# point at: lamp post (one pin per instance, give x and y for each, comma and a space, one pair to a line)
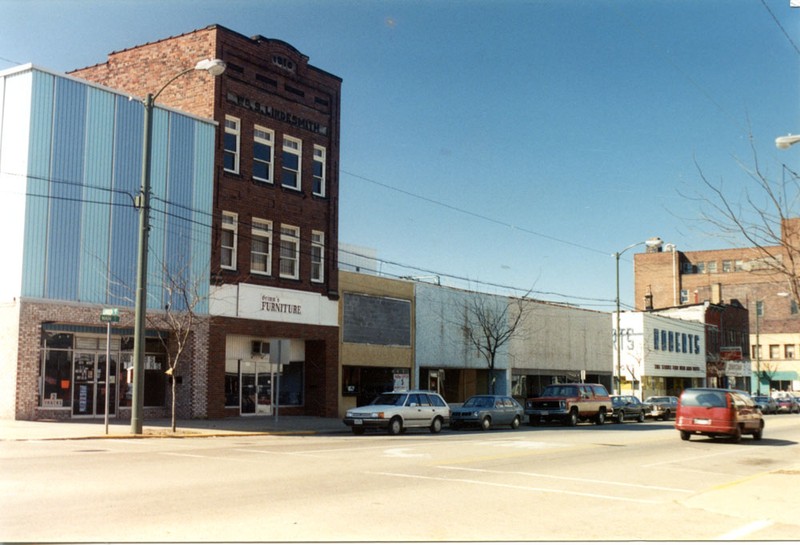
651, 243
759, 312
784, 142
215, 67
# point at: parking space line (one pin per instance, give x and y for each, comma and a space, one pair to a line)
515, 487
745, 530
593, 481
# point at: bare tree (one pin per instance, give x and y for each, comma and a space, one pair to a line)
489, 322
763, 216
180, 319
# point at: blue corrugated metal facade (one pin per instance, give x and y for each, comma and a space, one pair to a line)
84, 170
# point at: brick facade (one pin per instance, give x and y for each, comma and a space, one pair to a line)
270, 84
33, 314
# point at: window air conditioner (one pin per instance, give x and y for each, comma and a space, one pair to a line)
260, 348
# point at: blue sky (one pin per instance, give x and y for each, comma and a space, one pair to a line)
504, 142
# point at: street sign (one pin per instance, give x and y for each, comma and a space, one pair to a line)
109, 315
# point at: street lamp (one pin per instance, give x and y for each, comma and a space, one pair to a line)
215, 67
783, 142
651, 243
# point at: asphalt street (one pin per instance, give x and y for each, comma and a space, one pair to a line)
615, 482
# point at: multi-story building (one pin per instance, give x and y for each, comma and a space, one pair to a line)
70, 167
274, 335
666, 277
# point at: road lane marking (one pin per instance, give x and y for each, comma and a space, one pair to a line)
593, 481
184, 455
403, 453
515, 487
745, 530
277, 453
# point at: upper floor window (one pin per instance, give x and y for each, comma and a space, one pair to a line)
263, 154
290, 162
700, 267
788, 351
684, 296
738, 265
261, 248
317, 256
687, 268
727, 266
290, 252
774, 351
228, 240
319, 171
711, 267
232, 138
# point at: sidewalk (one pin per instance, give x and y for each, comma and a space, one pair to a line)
25, 430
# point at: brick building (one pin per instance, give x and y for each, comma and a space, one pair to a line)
667, 277
274, 336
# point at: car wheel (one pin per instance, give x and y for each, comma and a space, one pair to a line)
600, 419
736, 436
395, 426
666, 415
436, 425
640, 418
757, 435
621, 417
358, 430
685, 435
515, 423
572, 419
486, 423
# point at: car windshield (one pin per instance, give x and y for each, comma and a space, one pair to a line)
702, 398
479, 402
658, 400
560, 391
389, 399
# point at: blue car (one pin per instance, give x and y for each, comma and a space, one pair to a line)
485, 411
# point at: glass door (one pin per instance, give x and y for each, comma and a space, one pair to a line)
83, 389
89, 384
102, 383
264, 383
248, 388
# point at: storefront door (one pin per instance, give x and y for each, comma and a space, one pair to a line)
89, 384
256, 380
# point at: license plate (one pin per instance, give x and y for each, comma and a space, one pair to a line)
543, 413
702, 421
358, 421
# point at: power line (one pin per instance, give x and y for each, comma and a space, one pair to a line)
780, 26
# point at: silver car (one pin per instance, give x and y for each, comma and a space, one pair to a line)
397, 411
663, 407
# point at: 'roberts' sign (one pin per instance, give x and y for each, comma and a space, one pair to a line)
278, 115
273, 304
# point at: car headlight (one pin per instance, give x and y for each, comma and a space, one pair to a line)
475, 414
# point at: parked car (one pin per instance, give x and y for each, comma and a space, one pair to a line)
485, 411
718, 412
787, 404
627, 407
766, 404
569, 404
397, 411
663, 407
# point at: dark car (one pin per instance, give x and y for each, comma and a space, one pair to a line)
787, 404
766, 404
485, 411
627, 408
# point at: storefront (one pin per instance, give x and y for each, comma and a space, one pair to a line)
76, 372
271, 351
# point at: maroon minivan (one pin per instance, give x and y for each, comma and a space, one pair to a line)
718, 412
